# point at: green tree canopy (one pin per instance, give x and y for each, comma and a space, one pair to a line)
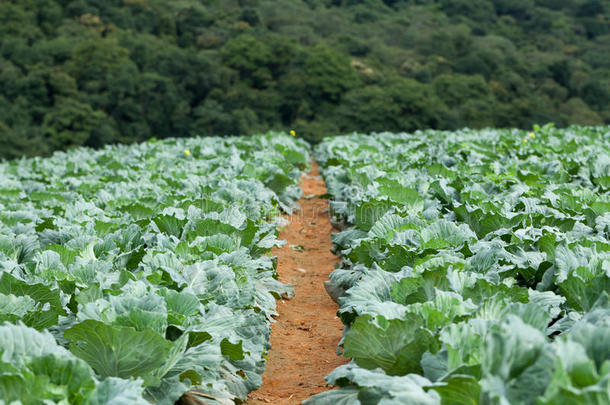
90, 72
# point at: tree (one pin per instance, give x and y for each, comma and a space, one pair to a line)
91, 72
93, 59
329, 74
71, 123
577, 111
469, 97
250, 57
401, 105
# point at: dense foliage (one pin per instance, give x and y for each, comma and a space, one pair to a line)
477, 269
135, 273
90, 72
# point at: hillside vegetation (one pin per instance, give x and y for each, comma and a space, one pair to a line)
92, 72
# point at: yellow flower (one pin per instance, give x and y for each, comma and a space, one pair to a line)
532, 135
524, 140
187, 152
293, 133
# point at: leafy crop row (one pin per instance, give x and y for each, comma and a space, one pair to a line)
135, 273
476, 268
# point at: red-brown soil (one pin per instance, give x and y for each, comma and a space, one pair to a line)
306, 332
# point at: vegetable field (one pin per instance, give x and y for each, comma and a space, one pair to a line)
475, 270
476, 266
134, 274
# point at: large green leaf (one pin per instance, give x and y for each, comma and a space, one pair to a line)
443, 234
342, 396
118, 351
460, 390
374, 386
368, 213
49, 303
396, 345
33, 368
118, 391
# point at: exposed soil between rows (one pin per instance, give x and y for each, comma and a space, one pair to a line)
306, 332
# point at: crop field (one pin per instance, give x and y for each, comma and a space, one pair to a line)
130, 274
476, 266
475, 269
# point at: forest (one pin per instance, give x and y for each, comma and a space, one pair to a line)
95, 72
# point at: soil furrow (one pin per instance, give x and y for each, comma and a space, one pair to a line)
307, 330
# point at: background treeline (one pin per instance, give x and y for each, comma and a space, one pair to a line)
91, 72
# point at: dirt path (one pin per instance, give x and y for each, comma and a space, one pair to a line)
307, 331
